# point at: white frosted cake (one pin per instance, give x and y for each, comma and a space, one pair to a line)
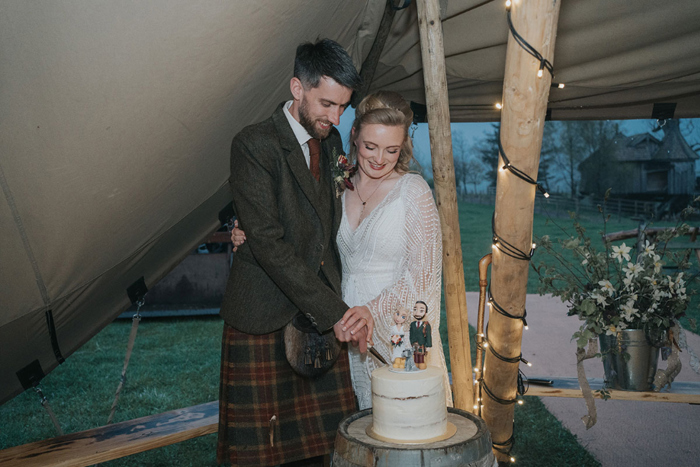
408, 406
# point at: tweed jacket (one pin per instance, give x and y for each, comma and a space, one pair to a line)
421, 335
289, 262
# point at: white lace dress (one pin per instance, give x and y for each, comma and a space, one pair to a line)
392, 259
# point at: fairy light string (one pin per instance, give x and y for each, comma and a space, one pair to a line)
507, 248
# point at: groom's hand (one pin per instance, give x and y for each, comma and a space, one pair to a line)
357, 326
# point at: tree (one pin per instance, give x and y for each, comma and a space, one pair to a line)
577, 141
468, 169
487, 150
474, 173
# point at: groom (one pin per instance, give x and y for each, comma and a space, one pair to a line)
289, 266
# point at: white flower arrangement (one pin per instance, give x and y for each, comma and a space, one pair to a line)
615, 288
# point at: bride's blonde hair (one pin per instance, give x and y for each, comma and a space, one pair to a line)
385, 108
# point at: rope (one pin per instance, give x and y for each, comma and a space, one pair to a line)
132, 337
45, 403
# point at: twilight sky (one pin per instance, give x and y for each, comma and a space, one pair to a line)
471, 132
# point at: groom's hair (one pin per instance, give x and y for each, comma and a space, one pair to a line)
325, 58
426, 307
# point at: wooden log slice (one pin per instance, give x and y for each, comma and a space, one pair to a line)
469, 447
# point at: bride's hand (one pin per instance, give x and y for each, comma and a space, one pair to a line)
356, 319
237, 236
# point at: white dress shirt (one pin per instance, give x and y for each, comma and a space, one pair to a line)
300, 132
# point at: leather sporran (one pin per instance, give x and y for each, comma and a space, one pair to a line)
309, 353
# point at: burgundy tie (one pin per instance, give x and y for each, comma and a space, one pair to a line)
314, 156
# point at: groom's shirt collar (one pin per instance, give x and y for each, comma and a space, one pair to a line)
299, 131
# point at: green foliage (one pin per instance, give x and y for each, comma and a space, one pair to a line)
615, 288
604, 393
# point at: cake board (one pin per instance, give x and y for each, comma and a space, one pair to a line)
470, 446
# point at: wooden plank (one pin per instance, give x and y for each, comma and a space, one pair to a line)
625, 234
682, 246
118, 440
681, 391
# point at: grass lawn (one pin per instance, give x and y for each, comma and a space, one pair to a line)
176, 364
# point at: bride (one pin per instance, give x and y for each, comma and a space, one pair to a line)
389, 238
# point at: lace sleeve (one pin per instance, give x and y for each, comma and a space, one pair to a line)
421, 264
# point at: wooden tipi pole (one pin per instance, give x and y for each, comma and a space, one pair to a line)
433, 54
522, 123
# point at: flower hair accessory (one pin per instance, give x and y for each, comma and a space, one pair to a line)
342, 172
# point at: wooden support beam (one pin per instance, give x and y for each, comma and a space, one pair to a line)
433, 55
522, 123
118, 440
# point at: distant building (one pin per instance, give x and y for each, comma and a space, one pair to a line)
642, 166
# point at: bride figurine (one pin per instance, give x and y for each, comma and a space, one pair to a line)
398, 341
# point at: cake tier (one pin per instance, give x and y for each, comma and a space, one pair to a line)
408, 406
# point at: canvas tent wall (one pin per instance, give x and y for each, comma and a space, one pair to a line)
116, 119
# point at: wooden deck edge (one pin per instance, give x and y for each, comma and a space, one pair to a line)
683, 392
110, 442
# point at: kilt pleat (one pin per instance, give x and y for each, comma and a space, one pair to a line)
257, 383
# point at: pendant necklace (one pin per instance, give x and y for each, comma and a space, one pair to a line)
364, 202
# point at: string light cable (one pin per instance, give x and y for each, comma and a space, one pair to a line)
494, 305
516, 171
487, 345
544, 63
507, 247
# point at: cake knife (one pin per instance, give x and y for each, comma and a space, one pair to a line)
376, 354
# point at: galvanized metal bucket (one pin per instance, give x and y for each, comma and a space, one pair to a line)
637, 372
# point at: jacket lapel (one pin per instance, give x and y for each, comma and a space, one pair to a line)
295, 158
329, 162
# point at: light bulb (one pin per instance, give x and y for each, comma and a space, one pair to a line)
539, 73
521, 402
486, 344
499, 106
561, 86
529, 364
546, 195
512, 460
527, 327
508, 3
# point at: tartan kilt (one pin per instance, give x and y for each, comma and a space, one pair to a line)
258, 383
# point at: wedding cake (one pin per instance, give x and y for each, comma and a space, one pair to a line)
409, 406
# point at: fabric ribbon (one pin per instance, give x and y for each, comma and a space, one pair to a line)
592, 417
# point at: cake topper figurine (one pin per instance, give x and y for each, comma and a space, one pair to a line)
407, 356
420, 334
398, 339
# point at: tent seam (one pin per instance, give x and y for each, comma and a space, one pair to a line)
25, 239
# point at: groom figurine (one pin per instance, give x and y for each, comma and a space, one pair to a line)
420, 334
289, 267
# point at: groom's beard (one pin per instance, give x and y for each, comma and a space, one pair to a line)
309, 123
